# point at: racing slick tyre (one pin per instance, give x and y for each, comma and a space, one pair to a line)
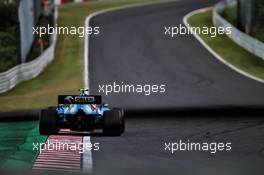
122, 118
112, 123
48, 123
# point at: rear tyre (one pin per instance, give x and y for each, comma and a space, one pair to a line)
112, 123
48, 122
122, 119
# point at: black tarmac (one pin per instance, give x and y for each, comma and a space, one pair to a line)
205, 101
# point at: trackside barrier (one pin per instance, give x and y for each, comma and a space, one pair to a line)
60, 2
29, 70
251, 44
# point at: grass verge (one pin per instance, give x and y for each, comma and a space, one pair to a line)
65, 74
16, 149
227, 49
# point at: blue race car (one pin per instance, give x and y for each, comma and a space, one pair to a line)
81, 113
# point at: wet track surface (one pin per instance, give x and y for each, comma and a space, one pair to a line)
133, 49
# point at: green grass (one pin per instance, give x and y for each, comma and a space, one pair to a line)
16, 148
9, 32
65, 74
230, 13
227, 49
260, 36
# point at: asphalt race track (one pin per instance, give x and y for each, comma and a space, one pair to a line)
141, 149
133, 49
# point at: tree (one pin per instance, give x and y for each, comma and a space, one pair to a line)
258, 13
250, 15
9, 34
239, 17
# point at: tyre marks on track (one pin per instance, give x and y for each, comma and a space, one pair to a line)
61, 155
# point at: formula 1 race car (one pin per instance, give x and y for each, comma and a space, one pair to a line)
81, 113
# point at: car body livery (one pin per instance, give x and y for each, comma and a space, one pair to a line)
81, 112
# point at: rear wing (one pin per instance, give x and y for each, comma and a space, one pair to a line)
77, 99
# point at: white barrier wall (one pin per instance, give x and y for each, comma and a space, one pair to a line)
249, 43
29, 70
26, 20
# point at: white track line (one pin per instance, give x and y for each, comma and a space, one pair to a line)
87, 161
216, 55
86, 37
